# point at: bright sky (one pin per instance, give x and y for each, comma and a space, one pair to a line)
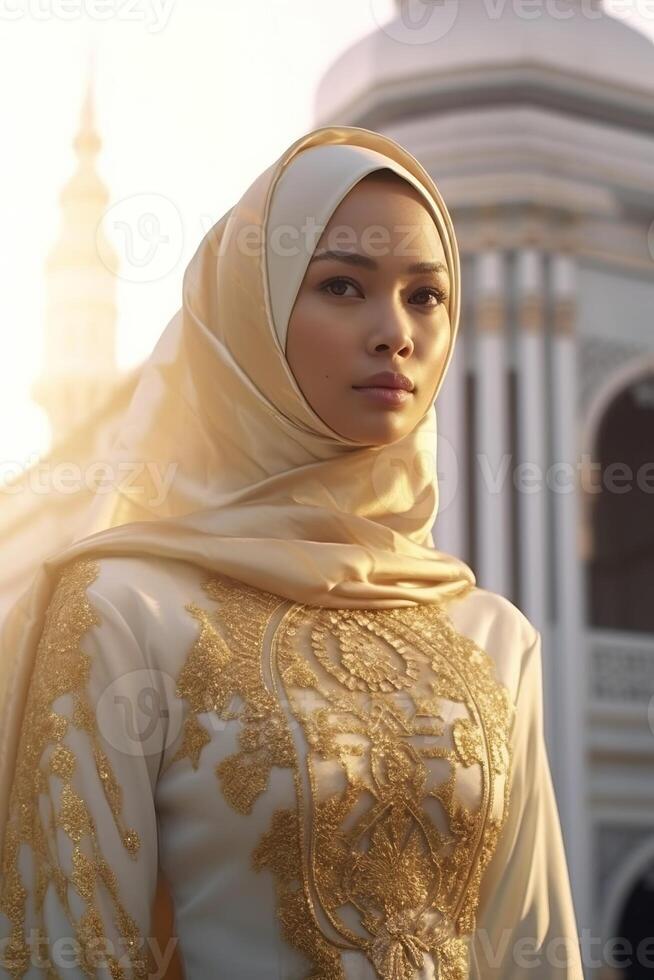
193, 99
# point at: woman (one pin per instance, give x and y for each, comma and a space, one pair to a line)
264, 693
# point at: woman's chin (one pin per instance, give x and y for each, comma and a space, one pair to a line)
378, 433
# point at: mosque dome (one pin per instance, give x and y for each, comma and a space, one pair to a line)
565, 54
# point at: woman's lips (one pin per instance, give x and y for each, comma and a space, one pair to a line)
387, 396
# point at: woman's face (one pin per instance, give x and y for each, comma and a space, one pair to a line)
381, 307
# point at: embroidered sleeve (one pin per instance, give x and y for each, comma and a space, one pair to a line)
526, 924
79, 858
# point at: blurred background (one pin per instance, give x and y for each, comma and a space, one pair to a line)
131, 126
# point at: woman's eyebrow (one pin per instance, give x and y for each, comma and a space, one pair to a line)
355, 258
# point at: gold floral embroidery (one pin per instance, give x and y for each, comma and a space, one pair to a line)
62, 668
372, 846
386, 850
213, 677
279, 851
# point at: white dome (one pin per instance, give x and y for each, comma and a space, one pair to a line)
478, 51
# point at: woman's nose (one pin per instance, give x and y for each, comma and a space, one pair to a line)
393, 333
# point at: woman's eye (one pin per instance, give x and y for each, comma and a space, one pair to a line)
338, 283
437, 294
338, 287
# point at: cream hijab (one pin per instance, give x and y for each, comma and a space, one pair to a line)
262, 490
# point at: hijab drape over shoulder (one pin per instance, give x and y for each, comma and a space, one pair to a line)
262, 490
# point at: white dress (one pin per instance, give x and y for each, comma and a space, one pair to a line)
329, 793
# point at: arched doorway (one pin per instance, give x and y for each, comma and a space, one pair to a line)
621, 559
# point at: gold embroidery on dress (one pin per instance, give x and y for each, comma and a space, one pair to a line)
393, 875
386, 851
225, 676
213, 679
62, 668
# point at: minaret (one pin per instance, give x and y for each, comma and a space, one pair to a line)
79, 370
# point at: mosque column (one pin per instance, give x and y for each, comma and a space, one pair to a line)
568, 649
492, 465
532, 450
450, 525
534, 531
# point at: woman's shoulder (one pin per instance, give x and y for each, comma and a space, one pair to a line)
491, 613
145, 597
165, 586
128, 575
498, 626
140, 581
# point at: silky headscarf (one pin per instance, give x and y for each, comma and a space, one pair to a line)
263, 490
